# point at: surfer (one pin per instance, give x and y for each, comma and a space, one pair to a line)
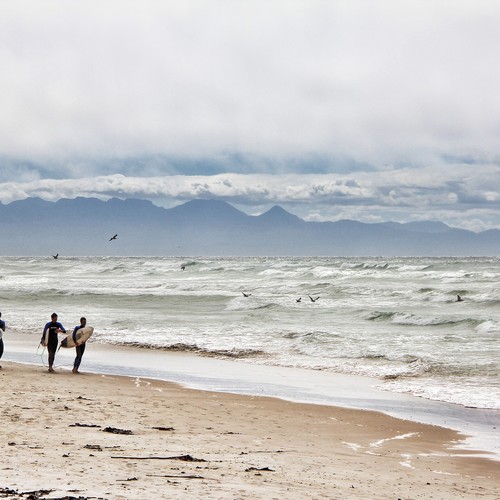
49, 338
80, 348
2, 329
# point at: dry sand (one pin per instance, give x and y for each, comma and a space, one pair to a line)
182, 443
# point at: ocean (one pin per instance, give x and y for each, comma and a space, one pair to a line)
395, 320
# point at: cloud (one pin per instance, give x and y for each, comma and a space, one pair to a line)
380, 82
367, 196
347, 109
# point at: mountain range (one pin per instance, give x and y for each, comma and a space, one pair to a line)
83, 226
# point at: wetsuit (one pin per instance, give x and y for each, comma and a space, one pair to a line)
80, 349
52, 341
2, 329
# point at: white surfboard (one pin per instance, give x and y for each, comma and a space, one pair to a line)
82, 335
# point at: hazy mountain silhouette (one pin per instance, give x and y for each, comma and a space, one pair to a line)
83, 226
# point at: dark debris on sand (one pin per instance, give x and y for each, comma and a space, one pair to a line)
183, 458
77, 424
34, 495
114, 430
259, 469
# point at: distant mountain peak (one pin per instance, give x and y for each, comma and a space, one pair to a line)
279, 214
201, 208
431, 227
201, 203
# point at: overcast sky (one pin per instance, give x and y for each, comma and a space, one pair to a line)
372, 110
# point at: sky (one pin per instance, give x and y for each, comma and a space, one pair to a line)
370, 110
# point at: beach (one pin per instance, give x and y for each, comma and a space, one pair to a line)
383, 388
117, 437
395, 320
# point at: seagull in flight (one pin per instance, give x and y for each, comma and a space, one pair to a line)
299, 299
313, 299
55, 256
246, 294
113, 237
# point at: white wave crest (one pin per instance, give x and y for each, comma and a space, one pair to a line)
488, 327
411, 319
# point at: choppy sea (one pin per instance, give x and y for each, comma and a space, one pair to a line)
396, 320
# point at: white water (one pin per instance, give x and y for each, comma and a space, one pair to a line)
392, 319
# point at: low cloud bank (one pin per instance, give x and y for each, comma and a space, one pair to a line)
451, 195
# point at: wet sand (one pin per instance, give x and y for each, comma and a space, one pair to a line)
290, 383
115, 437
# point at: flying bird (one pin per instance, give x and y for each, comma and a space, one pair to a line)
113, 237
246, 294
55, 256
313, 299
299, 299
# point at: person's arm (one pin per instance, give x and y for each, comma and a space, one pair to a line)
61, 327
44, 333
74, 334
2, 324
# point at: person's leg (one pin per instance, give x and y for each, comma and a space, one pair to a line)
79, 354
1, 349
78, 359
52, 355
52, 348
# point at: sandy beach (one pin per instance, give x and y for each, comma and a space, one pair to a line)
115, 437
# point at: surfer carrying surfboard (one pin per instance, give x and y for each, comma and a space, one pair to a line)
80, 347
49, 338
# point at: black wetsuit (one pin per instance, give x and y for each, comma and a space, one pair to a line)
80, 349
2, 329
52, 341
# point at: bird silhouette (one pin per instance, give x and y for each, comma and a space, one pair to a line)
312, 299
113, 237
246, 294
299, 299
55, 256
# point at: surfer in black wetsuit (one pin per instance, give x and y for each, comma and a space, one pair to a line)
49, 338
2, 329
80, 348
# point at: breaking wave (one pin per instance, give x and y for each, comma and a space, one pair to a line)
233, 353
399, 318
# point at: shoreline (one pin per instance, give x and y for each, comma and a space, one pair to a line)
478, 426
96, 436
